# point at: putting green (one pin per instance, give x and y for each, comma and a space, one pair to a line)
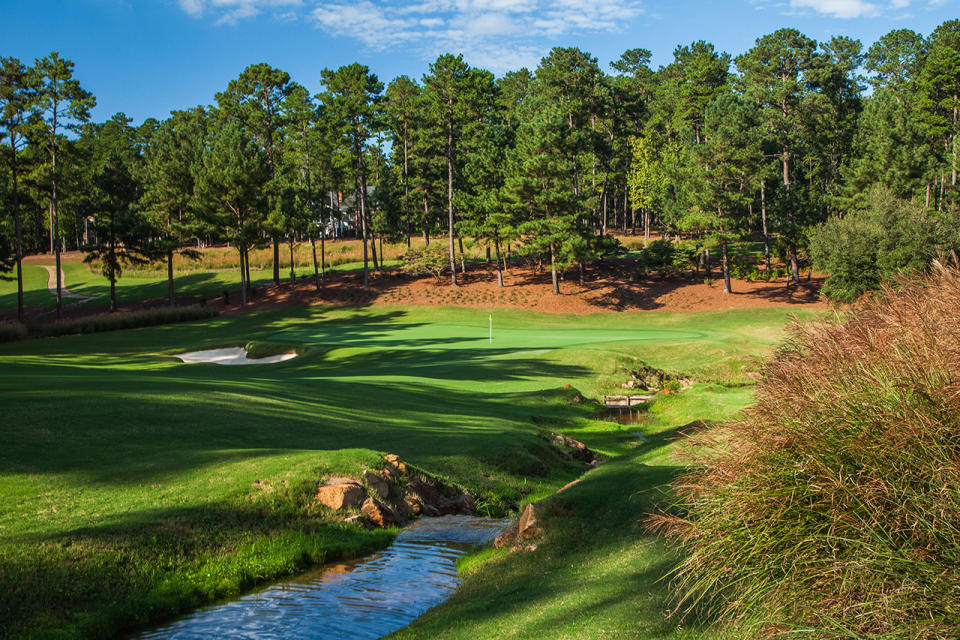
466, 336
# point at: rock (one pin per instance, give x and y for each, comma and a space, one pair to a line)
527, 527
426, 491
507, 537
465, 503
378, 483
413, 503
379, 514
340, 495
447, 507
394, 460
358, 519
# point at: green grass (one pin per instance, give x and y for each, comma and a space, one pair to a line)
205, 285
595, 573
129, 478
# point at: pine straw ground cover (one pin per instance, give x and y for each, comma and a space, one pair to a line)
832, 508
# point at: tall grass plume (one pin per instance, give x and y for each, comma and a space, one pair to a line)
831, 509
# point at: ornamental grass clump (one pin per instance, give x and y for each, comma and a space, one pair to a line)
832, 508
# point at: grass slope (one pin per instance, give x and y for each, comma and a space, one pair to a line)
136, 486
594, 573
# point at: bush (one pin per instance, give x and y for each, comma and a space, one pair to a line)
257, 350
832, 508
433, 260
656, 256
12, 331
863, 249
123, 320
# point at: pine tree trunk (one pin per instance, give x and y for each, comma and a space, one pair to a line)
726, 269
794, 265
56, 229
243, 274
496, 244
293, 273
170, 292
316, 269
463, 263
246, 265
323, 256
363, 228
17, 231
276, 261
766, 235
553, 272
646, 224
453, 264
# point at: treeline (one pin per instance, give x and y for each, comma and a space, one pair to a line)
706, 150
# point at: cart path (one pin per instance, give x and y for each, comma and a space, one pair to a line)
64, 292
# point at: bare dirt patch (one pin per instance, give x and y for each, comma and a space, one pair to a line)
605, 289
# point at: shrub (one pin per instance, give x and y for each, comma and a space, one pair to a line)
12, 331
433, 260
862, 249
123, 320
257, 350
832, 508
656, 256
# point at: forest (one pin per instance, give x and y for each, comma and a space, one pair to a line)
839, 157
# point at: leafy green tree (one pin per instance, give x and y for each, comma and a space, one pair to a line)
16, 100
231, 183
457, 98
122, 233
488, 215
171, 159
257, 97
862, 249
726, 157
352, 99
895, 60
61, 105
938, 89
402, 108
539, 182
776, 75
696, 76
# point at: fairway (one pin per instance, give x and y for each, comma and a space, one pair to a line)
428, 335
116, 453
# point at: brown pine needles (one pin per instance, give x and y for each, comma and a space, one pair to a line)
832, 508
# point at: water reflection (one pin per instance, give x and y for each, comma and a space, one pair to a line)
369, 598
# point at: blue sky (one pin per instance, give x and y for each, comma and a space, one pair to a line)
146, 57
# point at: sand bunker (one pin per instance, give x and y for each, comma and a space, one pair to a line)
232, 355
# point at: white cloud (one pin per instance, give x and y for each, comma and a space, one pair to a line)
841, 8
495, 34
232, 11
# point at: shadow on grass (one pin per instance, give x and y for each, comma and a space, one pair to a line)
594, 572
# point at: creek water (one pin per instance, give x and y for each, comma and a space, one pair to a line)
367, 598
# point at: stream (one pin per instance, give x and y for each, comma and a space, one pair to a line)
366, 598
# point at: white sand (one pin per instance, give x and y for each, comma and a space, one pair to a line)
232, 355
